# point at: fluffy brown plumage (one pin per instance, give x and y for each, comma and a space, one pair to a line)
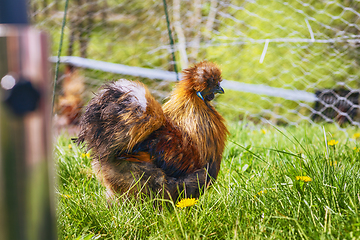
139, 147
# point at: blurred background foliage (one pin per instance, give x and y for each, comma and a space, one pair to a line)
312, 45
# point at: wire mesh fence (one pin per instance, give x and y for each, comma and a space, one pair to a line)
303, 47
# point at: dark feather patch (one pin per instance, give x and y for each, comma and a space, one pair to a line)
171, 151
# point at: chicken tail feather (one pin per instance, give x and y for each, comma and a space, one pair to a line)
121, 115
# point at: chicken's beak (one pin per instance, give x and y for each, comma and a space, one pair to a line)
211, 95
218, 89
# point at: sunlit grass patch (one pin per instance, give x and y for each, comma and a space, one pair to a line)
284, 184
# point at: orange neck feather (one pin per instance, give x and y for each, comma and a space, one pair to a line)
199, 121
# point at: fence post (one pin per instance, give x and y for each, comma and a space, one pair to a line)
27, 208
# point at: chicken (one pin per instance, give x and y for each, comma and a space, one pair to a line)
139, 147
69, 104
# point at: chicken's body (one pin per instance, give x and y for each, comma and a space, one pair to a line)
137, 146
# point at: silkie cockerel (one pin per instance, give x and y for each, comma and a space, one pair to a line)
138, 146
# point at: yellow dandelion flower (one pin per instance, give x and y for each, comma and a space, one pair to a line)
332, 142
260, 193
187, 202
333, 163
66, 196
87, 155
303, 178
356, 135
264, 131
83, 155
70, 147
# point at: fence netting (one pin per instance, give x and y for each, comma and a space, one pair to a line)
312, 46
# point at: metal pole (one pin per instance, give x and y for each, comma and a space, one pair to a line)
27, 208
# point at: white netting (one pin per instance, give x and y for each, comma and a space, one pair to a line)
299, 48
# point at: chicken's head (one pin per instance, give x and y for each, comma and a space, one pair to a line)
204, 79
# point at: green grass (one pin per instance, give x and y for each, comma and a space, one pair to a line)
256, 196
